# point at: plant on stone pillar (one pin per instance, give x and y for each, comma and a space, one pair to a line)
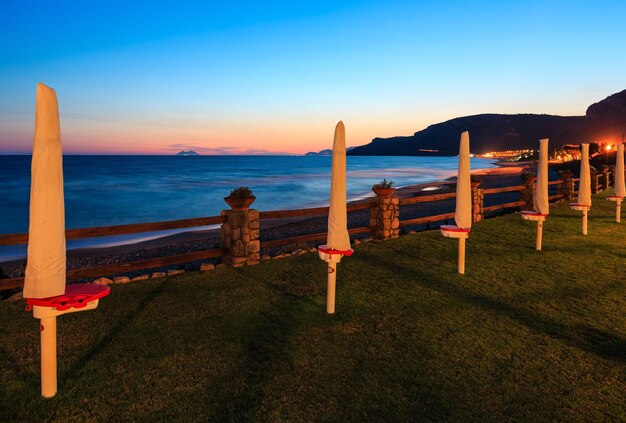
384, 188
240, 198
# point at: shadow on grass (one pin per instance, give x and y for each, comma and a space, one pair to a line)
122, 323
265, 336
604, 344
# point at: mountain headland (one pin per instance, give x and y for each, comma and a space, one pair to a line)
327, 152
603, 121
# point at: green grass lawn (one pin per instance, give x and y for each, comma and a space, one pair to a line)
524, 335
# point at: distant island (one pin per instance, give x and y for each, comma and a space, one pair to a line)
327, 152
603, 121
187, 153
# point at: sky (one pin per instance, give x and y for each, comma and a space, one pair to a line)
243, 77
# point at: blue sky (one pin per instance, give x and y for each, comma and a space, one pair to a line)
261, 77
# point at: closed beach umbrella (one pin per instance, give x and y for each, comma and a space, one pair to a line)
44, 284
620, 187
541, 204
463, 211
584, 187
338, 239
45, 269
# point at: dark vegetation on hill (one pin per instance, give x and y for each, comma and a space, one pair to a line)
603, 121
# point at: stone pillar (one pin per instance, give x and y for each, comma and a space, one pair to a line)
568, 189
384, 217
528, 194
477, 203
595, 182
240, 238
607, 180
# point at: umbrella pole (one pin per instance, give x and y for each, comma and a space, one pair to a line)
332, 284
539, 235
585, 222
462, 256
48, 356
618, 211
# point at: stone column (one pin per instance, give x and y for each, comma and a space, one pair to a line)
528, 194
477, 203
607, 180
568, 189
384, 217
240, 238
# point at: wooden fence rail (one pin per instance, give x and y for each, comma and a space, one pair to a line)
426, 198
502, 190
309, 237
112, 269
311, 212
426, 219
504, 206
16, 239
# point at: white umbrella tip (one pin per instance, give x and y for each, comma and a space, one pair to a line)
44, 89
339, 125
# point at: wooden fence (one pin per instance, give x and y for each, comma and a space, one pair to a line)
113, 269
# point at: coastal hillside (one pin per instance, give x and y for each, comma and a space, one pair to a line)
604, 120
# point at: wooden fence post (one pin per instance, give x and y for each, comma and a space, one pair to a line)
239, 237
384, 217
477, 202
595, 182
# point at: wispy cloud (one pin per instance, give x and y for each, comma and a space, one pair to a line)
222, 150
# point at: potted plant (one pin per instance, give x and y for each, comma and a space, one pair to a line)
475, 180
240, 198
384, 188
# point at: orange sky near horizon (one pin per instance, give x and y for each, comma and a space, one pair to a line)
266, 134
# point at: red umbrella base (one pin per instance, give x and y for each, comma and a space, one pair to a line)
76, 296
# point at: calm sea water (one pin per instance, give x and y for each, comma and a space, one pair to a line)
114, 190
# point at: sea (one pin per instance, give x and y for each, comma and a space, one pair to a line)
115, 190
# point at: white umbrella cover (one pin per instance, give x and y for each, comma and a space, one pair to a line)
463, 212
45, 269
584, 185
338, 237
541, 204
620, 187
